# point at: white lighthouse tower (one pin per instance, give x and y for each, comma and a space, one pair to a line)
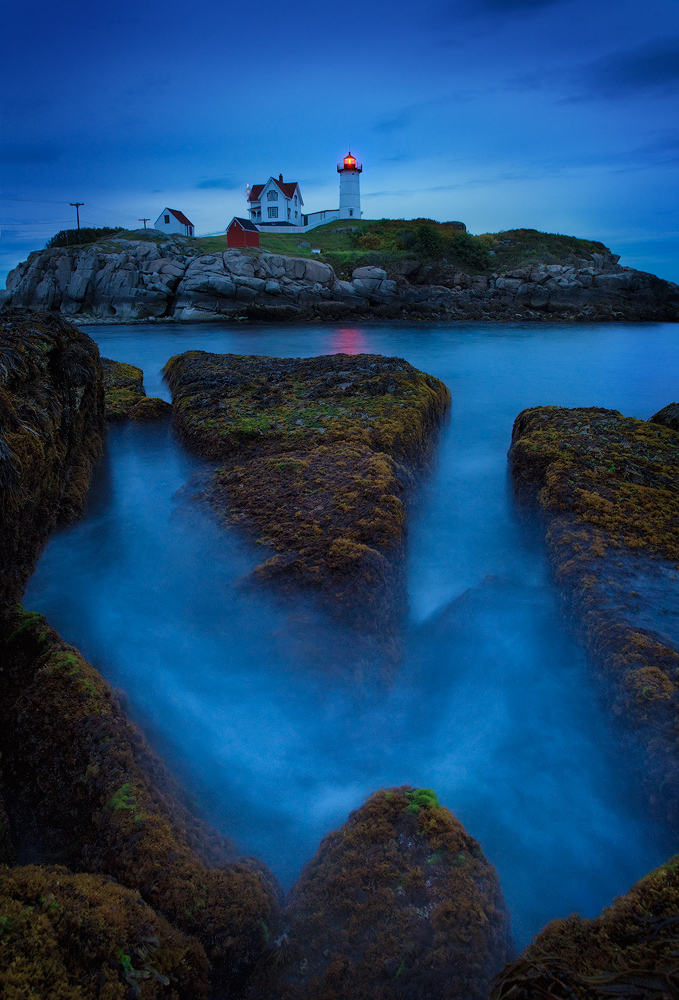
350, 188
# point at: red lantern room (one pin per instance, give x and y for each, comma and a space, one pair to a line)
349, 163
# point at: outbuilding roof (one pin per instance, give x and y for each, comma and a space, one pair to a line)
180, 217
244, 224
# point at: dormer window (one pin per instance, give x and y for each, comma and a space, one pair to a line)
272, 195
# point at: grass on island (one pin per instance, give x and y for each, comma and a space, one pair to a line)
349, 243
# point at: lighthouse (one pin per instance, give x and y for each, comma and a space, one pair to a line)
350, 188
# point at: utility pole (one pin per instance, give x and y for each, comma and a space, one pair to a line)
76, 205
144, 221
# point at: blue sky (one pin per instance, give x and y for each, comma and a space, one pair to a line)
559, 115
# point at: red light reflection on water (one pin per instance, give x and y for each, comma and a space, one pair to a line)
347, 341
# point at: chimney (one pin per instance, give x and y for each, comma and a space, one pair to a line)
280, 178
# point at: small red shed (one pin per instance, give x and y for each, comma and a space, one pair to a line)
242, 233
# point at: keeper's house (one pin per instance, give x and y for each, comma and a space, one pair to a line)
276, 203
242, 233
171, 220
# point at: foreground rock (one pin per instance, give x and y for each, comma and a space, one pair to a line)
79, 784
83, 936
317, 453
125, 394
83, 787
609, 488
51, 426
629, 950
398, 903
133, 279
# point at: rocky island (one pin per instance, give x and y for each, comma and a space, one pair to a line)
391, 270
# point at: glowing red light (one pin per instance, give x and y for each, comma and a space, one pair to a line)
350, 161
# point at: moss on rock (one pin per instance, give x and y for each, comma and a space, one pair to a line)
609, 488
83, 937
316, 455
51, 425
126, 396
629, 950
398, 903
84, 789
668, 416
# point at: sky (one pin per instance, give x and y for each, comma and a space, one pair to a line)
558, 115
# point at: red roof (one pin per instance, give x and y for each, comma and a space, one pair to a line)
287, 187
180, 217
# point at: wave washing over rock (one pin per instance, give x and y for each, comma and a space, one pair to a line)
127, 279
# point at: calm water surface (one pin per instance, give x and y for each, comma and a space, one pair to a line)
493, 706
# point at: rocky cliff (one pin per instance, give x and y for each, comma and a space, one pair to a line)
135, 279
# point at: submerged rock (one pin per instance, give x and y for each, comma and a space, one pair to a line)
83, 936
51, 425
317, 452
398, 903
609, 487
629, 950
83, 787
125, 394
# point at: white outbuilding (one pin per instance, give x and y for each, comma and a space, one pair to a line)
171, 220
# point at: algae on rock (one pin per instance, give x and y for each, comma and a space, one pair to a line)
609, 488
84, 788
398, 904
51, 425
629, 950
125, 394
67, 936
317, 452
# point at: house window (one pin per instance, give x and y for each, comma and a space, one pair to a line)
295, 214
295, 202
322, 215
273, 213
288, 213
272, 195
167, 220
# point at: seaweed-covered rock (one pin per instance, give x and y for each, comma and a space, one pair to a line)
82, 937
125, 394
51, 425
609, 488
83, 787
669, 416
316, 454
398, 903
629, 950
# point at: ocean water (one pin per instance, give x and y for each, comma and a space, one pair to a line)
493, 705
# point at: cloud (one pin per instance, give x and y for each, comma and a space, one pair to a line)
224, 183
29, 152
650, 67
